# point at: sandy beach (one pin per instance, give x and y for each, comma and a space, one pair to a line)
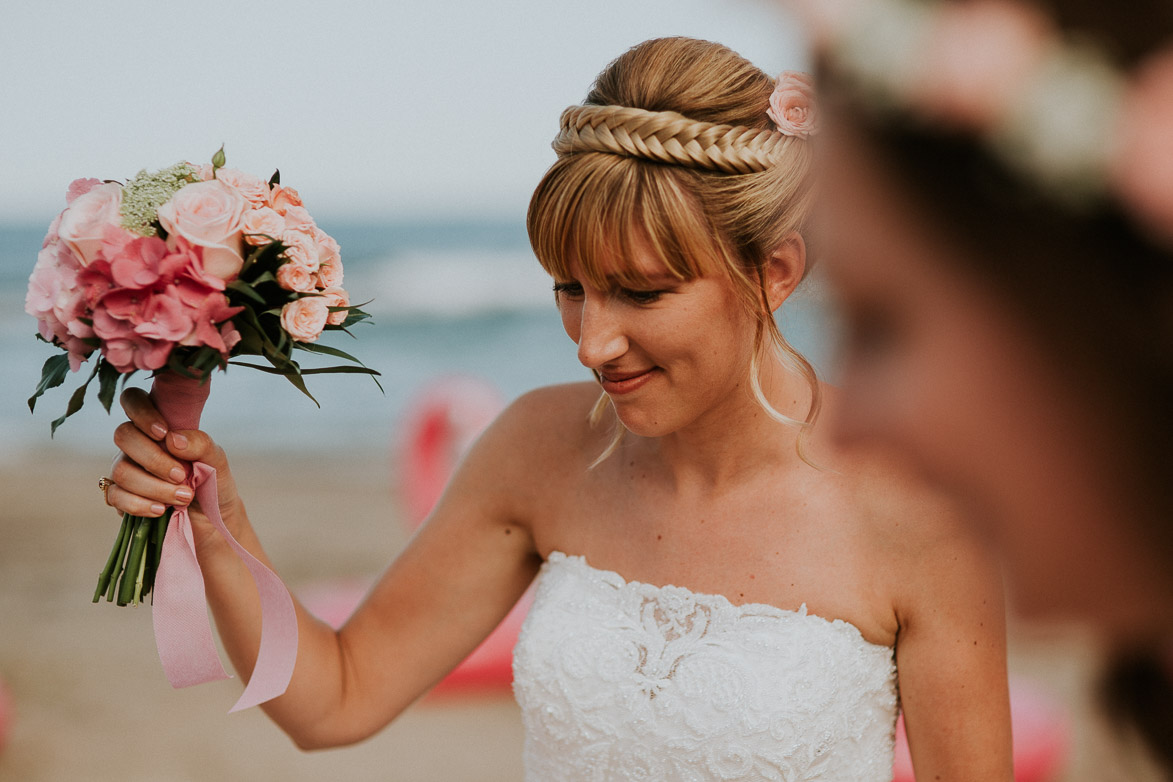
91, 702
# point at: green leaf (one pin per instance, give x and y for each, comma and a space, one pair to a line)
75, 403
52, 375
276, 178
312, 347
107, 383
246, 290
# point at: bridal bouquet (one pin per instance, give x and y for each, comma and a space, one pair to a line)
179, 272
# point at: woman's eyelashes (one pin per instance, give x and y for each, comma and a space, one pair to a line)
574, 290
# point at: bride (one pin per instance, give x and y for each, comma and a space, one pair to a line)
724, 593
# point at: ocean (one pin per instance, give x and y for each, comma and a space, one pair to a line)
448, 298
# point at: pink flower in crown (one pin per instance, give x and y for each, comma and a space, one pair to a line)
792, 105
84, 222
976, 57
208, 215
1142, 170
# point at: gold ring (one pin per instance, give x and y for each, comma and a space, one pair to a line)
104, 484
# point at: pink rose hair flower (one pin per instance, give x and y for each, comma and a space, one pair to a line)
792, 105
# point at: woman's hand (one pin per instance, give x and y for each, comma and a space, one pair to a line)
150, 472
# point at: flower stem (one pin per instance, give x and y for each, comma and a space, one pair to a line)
134, 557
112, 560
119, 562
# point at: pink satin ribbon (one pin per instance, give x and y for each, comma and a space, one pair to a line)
183, 630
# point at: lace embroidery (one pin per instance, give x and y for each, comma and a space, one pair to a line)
622, 680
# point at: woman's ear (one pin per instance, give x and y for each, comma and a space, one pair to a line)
784, 269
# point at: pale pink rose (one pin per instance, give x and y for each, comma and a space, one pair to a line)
792, 105
977, 56
336, 297
294, 276
281, 198
82, 224
208, 215
262, 226
1142, 170
80, 187
305, 318
204, 171
328, 249
301, 248
330, 274
297, 218
253, 188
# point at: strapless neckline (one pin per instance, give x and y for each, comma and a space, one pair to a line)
619, 581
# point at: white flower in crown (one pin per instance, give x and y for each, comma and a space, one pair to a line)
792, 105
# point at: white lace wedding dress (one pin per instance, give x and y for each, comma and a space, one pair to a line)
620, 680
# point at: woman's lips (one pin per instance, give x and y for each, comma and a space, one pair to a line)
618, 383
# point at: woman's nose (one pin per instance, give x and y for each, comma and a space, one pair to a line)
601, 337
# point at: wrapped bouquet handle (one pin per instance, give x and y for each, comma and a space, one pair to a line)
183, 631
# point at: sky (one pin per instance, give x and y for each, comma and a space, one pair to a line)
370, 109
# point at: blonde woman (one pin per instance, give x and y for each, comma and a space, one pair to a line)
724, 594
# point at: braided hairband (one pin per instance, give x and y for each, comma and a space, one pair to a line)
1054, 109
669, 137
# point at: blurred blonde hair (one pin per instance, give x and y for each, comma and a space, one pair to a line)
672, 148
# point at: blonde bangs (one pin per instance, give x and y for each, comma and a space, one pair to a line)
598, 210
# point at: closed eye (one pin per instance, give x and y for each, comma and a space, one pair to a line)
641, 297
570, 290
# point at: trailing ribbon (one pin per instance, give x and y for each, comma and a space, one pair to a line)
183, 631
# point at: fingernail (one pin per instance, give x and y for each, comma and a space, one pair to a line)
177, 475
179, 440
157, 509
159, 431
184, 494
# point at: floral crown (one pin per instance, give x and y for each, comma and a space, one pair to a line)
792, 105
1054, 109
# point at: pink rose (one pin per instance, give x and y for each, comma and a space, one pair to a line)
297, 218
253, 188
281, 198
336, 297
294, 276
328, 249
330, 274
208, 215
300, 248
83, 223
262, 226
977, 57
792, 105
305, 318
1143, 167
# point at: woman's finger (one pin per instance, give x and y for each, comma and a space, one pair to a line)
148, 454
138, 487
141, 410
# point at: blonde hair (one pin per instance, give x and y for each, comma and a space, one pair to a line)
672, 148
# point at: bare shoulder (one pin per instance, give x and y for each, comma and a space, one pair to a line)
544, 427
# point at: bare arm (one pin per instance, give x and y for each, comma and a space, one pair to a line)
459, 575
951, 660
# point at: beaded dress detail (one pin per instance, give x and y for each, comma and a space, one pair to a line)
621, 680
